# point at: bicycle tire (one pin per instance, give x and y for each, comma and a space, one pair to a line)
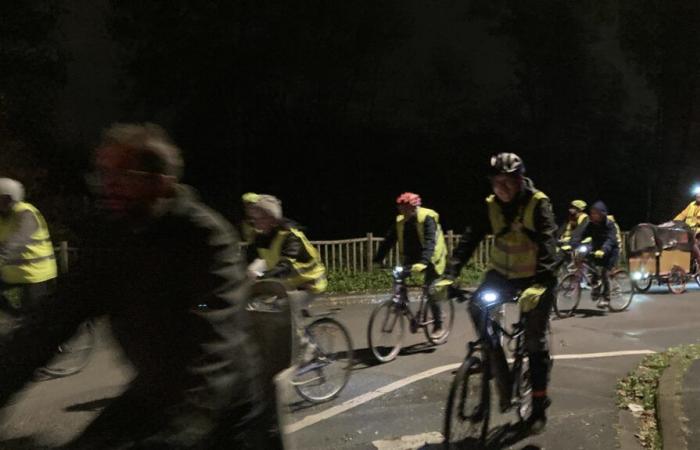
392, 319
621, 291
73, 355
467, 424
448, 320
324, 356
677, 280
568, 288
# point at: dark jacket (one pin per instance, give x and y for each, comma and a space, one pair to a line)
174, 292
603, 236
544, 237
414, 251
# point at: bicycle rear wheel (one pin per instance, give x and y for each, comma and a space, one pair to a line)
447, 309
677, 280
468, 407
327, 373
568, 296
621, 291
385, 330
73, 355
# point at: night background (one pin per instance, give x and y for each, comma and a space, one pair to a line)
337, 107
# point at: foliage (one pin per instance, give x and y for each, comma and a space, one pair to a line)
640, 387
344, 282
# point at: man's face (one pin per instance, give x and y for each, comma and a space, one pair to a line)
126, 190
262, 220
506, 187
406, 210
597, 216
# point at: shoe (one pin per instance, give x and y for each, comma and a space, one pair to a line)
537, 422
438, 332
603, 303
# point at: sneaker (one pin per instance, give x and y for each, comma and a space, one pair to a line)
438, 332
603, 303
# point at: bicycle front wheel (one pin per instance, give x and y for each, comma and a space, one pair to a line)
621, 291
447, 319
385, 331
468, 407
327, 372
568, 296
73, 355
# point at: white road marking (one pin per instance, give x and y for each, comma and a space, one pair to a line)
369, 396
410, 442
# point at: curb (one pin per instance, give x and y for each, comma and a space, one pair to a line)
627, 430
669, 407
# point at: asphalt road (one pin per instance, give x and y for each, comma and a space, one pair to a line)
400, 405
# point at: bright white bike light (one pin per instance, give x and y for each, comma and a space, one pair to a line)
489, 297
696, 189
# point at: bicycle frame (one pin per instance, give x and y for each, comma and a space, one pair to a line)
400, 297
489, 342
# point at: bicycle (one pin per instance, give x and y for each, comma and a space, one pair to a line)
71, 357
468, 412
387, 325
585, 275
324, 364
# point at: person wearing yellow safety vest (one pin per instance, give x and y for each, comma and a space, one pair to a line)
27, 262
604, 235
247, 229
523, 259
421, 245
691, 217
287, 252
577, 216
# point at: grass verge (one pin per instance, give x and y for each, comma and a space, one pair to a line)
640, 387
379, 280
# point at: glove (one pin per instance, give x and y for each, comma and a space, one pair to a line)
443, 282
530, 297
566, 248
599, 254
418, 267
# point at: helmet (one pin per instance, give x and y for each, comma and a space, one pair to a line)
508, 163
409, 198
12, 188
250, 197
579, 204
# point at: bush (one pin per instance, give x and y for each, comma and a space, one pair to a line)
379, 280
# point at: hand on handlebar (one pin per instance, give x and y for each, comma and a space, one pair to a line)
599, 254
418, 267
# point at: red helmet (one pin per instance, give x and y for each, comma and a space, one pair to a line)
408, 198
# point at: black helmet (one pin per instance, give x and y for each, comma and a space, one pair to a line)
508, 163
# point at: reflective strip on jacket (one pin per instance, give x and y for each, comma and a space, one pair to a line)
439, 257
514, 254
311, 274
37, 262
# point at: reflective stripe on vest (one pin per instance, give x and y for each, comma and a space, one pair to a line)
311, 274
37, 262
569, 229
618, 233
439, 257
514, 254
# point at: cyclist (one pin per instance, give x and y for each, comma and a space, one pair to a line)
523, 259
27, 263
691, 216
577, 216
170, 277
421, 245
605, 245
289, 256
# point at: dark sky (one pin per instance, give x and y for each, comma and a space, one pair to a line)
421, 110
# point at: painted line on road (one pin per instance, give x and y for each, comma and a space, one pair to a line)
369, 396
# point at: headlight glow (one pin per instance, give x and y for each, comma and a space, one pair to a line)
696, 189
489, 296
637, 276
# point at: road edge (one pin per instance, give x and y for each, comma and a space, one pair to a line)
669, 406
